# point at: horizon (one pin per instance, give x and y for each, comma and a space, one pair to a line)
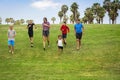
35, 10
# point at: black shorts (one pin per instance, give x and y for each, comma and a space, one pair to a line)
79, 35
60, 47
46, 33
64, 36
30, 33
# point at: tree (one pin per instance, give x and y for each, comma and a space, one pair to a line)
65, 19
71, 19
113, 14
17, 22
22, 21
107, 6
60, 14
0, 20
74, 10
64, 9
99, 12
12, 20
95, 9
7, 20
53, 19
27, 21
85, 19
89, 14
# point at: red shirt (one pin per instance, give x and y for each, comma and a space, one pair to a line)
64, 29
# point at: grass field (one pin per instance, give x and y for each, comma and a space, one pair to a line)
98, 59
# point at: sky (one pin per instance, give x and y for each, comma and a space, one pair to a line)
37, 9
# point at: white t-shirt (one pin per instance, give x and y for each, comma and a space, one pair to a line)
11, 34
60, 42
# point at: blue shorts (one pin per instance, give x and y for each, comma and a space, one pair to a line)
11, 42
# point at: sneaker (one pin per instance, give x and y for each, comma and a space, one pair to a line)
48, 45
9, 51
31, 45
44, 49
12, 52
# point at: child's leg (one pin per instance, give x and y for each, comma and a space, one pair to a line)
44, 42
9, 47
12, 49
77, 43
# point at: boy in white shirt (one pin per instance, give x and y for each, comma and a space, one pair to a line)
11, 39
60, 43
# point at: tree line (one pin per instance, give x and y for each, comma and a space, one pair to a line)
96, 11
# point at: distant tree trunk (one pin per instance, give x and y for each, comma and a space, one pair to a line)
113, 21
109, 21
101, 20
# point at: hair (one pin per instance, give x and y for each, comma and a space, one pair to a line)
59, 36
78, 20
64, 22
45, 18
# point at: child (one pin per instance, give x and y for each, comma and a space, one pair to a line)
60, 43
65, 29
30, 31
11, 39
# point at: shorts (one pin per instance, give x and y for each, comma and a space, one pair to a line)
30, 33
60, 47
11, 42
79, 35
64, 36
46, 33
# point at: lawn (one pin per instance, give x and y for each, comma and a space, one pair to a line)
98, 58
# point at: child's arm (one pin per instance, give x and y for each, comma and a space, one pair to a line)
68, 29
35, 26
48, 25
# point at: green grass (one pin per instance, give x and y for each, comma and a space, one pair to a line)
98, 59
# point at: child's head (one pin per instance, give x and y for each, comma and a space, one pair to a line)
64, 23
78, 21
59, 36
30, 21
11, 27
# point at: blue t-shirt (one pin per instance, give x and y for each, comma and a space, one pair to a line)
78, 27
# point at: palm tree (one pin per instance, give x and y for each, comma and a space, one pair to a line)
90, 15
101, 14
0, 20
115, 6
7, 20
60, 14
22, 21
53, 19
11, 20
95, 9
65, 19
85, 19
74, 10
71, 19
107, 6
64, 9
27, 21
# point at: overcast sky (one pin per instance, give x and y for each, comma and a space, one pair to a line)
37, 9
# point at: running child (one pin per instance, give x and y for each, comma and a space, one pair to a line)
60, 43
65, 29
11, 39
30, 31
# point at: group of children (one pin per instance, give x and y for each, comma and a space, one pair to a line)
61, 38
